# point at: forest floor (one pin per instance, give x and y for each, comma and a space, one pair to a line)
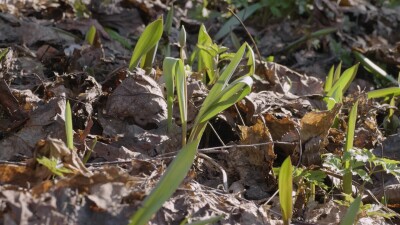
119, 116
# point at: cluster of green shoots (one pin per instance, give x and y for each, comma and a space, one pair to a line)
225, 93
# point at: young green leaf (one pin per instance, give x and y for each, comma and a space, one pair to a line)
3, 53
167, 185
343, 83
53, 165
285, 186
337, 73
329, 80
181, 89
147, 41
384, 92
90, 35
68, 126
352, 212
206, 58
347, 178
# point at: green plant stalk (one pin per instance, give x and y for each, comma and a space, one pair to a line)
384, 92
169, 71
285, 186
312, 192
292, 46
347, 177
68, 126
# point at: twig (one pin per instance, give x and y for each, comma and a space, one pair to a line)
248, 33
224, 176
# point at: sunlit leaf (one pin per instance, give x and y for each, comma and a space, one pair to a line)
169, 77
181, 90
147, 41
68, 126
384, 92
90, 35
53, 165
351, 126
285, 186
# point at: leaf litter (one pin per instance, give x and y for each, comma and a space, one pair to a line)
49, 62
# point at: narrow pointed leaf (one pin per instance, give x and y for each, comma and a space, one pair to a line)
329, 80
344, 81
167, 185
90, 35
384, 92
347, 178
180, 80
285, 189
206, 60
169, 77
338, 71
229, 96
352, 212
68, 126
147, 41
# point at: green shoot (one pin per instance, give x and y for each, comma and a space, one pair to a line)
90, 35
117, 37
54, 166
182, 43
373, 68
347, 178
384, 92
285, 186
147, 44
336, 92
206, 57
169, 77
167, 29
180, 166
352, 212
338, 70
68, 126
181, 89
329, 80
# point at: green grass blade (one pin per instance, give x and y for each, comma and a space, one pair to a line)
229, 96
375, 69
384, 92
118, 38
167, 185
337, 73
232, 23
169, 77
169, 20
90, 35
352, 212
285, 186
211, 220
68, 126
147, 41
180, 80
347, 178
329, 80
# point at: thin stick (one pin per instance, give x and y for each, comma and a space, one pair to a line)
224, 176
248, 33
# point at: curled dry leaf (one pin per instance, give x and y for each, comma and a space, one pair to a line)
138, 100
